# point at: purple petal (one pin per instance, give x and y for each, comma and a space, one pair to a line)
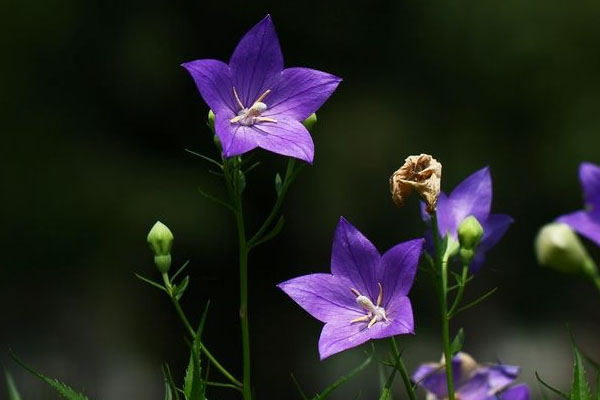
584, 222
340, 335
517, 392
355, 259
213, 80
236, 139
256, 61
447, 224
300, 92
500, 376
432, 376
494, 228
473, 196
397, 268
323, 297
589, 175
475, 388
401, 322
287, 137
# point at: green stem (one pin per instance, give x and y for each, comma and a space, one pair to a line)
290, 174
596, 280
233, 185
442, 266
461, 291
192, 333
405, 377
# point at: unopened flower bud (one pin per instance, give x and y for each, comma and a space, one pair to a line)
470, 232
422, 173
211, 120
310, 121
160, 240
558, 247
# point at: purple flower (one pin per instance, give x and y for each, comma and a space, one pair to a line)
473, 196
256, 102
364, 297
587, 221
471, 381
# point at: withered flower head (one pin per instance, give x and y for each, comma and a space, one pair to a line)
421, 173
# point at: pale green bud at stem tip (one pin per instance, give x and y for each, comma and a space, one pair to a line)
160, 240
558, 247
310, 121
211, 120
470, 232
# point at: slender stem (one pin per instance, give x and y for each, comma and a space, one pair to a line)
192, 333
442, 265
405, 377
291, 173
233, 185
461, 290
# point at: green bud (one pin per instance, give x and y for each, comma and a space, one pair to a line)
470, 232
160, 240
558, 247
310, 121
211, 120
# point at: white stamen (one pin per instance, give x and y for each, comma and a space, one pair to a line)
375, 313
252, 115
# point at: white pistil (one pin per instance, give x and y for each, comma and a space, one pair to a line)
252, 115
375, 313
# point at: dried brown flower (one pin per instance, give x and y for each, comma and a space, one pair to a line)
422, 173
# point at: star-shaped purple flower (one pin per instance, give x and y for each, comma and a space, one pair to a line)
473, 196
256, 102
587, 221
471, 381
364, 297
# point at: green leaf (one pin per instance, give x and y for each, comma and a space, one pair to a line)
299, 388
457, 342
558, 392
151, 282
169, 381
278, 184
580, 389
328, 391
598, 385
180, 288
272, 233
64, 390
195, 385
176, 274
13, 393
387, 389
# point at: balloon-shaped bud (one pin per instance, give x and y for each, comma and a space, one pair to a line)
160, 240
310, 121
558, 247
470, 232
211, 120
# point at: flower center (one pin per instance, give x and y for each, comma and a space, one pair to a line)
375, 313
252, 115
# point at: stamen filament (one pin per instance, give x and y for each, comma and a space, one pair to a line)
262, 96
237, 98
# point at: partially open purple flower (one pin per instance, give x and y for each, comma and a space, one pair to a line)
473, 196
364, 297
471, 381
256, 102
587, 221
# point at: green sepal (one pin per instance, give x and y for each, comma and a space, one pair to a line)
457, 342
449, 247
11, 387
64, 390
329, 390
553, 389
310, 122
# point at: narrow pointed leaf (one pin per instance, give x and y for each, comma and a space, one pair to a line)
151, 282
580, 389
64, 390
386, 393
553, 389
195, 385
328, 391
170, 382
299, 388
458, 341
180, 288
176, 274
13, 393
278, 184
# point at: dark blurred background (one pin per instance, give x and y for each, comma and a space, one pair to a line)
96, 114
